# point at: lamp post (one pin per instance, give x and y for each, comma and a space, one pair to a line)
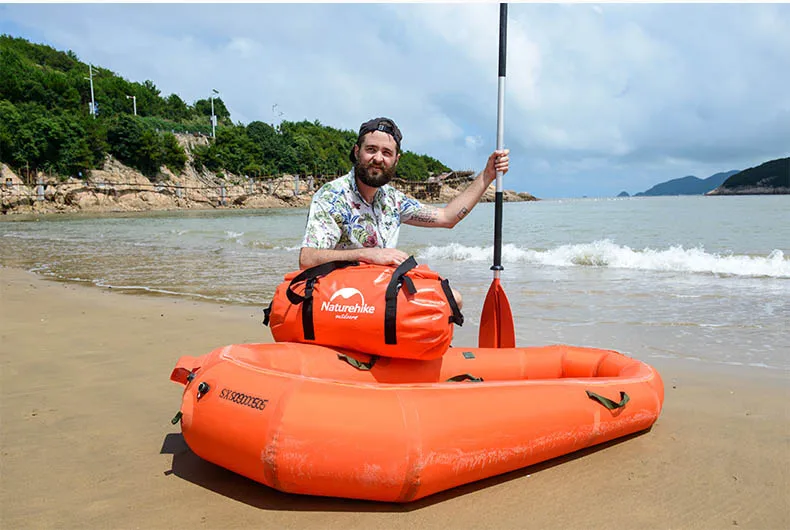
134, 103
93, 102
213, 117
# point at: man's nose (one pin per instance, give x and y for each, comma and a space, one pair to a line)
378, 157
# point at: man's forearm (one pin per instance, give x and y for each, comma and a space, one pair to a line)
310, 257
462, 204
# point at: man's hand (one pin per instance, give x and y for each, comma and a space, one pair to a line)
383, 256
310, 257
498, 161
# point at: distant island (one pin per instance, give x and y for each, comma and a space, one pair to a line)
770, 178
689, 185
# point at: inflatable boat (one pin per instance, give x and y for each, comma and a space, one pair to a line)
315, 420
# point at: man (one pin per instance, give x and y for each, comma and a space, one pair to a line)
357, 217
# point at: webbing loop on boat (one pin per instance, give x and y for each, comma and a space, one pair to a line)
359, 365
608, 403
465, 377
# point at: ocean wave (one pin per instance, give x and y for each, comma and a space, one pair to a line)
266, 245
605, 253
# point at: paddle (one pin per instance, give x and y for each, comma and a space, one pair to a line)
496, 322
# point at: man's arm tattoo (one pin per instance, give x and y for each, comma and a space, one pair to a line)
462, 213
426, 215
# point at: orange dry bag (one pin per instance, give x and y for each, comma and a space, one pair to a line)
405, 312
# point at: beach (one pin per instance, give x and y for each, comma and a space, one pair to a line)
87, 440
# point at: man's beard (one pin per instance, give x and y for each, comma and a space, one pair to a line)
385, 175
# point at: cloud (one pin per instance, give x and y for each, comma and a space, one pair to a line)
599, 98
473, 142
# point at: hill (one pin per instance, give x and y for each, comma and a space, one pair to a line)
689, 185
770, 178
53, 122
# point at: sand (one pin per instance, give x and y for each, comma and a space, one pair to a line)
87, 441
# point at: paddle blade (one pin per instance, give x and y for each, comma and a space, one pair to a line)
496, 322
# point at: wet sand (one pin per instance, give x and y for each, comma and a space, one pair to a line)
87, 442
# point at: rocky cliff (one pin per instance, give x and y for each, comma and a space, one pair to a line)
119, 188
769, 178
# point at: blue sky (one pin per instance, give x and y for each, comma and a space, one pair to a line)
600, 98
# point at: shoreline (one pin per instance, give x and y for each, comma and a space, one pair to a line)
121, 189
256, 309
87, 440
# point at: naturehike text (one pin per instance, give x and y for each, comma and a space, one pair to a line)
344, 308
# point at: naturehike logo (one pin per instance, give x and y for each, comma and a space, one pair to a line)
247, 400
344, 309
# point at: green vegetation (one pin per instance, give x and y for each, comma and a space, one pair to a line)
772, 174
46, 125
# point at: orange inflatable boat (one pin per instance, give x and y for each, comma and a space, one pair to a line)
314, 420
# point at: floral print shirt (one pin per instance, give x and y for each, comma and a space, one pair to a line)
340, 218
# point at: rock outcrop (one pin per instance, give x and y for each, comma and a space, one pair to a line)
769, 178
119, 188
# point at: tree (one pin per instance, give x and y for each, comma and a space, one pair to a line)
45, 124
175, 108
141, 147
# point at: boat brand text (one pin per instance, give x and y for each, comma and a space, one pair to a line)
247, 400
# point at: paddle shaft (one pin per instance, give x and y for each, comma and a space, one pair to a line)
500, 140
496, 321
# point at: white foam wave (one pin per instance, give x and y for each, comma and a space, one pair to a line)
605, 253
266, 245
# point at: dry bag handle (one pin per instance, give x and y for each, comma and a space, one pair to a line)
314, 273
310, 276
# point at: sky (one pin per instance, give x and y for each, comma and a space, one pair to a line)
599, 98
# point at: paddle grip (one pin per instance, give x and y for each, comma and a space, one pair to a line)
502, 38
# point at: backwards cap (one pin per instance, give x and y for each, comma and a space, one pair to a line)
377, 124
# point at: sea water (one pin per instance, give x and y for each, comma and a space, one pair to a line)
696, 278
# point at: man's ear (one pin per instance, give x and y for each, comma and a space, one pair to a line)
356, 152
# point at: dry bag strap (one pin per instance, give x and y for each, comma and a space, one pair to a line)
307, 310
456, 317
267, 313
310, 276
391, 307
608, 403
